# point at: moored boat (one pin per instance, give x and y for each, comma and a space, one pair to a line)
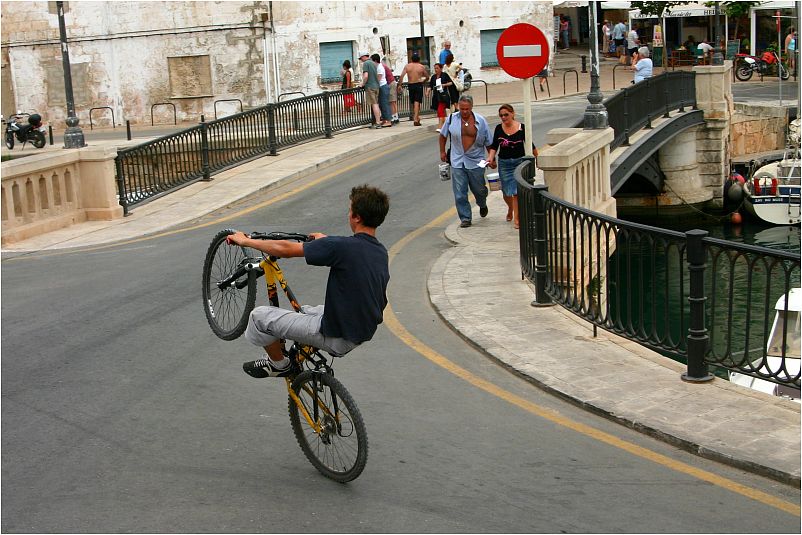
783, 354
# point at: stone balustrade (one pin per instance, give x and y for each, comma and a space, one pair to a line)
52, 190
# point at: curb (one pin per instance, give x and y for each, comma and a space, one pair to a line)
561, 388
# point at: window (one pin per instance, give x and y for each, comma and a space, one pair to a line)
332, 56
489, 39
190, 76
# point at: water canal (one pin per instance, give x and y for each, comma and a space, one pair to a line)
648, 287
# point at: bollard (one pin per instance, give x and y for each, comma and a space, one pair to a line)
272, 140
584, 63
128, 129
205, 152
50, 132
203, 119
541, 248
698, 337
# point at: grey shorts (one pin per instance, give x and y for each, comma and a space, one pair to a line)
371, 96
393, 91
268, 324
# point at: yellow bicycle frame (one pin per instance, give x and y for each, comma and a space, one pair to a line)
274, 277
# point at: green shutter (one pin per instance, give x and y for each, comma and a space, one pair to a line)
332, 56
489, 39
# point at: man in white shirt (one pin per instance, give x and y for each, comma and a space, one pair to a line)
703, 52
632, 41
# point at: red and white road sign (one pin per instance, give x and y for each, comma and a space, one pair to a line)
522, 50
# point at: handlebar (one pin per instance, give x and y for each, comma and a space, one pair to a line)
296, 236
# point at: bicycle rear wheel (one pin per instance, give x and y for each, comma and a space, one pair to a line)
227, 309
340, 450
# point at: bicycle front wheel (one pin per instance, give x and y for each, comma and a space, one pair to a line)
227, 308
339, 450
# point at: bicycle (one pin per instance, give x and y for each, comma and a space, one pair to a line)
324, 417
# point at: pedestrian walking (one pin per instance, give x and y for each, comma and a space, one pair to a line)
446, 49
452, 69
633, 42
384, 92
607, 32
417, 75
370, 81
392, 93
564, 31
507, 152
349, 101
439, 88
470, 136
619, 37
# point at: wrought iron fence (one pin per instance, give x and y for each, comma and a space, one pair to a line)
705, 301
636, 106
159, 166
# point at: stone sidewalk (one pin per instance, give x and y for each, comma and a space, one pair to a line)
476, 287
607, 375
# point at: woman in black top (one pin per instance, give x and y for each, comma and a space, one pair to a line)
441, 96
508, 148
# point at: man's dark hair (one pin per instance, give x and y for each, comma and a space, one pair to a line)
369, 203
376, 58
415, 57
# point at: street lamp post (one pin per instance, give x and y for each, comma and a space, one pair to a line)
595, 114
718, 58
73, 135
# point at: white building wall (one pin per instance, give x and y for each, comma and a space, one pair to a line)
119, 50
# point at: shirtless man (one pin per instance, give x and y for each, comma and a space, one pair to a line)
417, 74
470, 137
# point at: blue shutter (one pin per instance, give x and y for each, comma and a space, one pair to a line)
332, 56
489, 39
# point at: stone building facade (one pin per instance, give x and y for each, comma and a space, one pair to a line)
128, 56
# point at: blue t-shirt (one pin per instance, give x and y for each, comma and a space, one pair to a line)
356, 289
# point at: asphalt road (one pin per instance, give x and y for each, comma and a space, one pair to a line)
122, 412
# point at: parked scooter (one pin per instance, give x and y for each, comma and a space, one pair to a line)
34, 131
746, 65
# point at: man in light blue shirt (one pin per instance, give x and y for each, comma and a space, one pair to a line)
470, 137
643, 65
443, 53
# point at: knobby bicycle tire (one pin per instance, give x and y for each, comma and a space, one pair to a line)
227, 309
340, 450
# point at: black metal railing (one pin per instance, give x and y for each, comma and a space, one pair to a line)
704, 301
149, 170
636, 106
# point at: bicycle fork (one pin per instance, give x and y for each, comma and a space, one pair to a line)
314, 419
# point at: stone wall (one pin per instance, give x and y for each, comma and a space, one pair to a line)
124, 54
757, 128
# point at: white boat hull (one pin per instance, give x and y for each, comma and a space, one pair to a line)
773, 193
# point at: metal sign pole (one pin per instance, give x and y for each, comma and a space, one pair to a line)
527, 82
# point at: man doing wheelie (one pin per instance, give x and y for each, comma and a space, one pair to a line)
356, 291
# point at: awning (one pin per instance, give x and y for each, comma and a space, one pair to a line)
695, 9
615, 5
570, 3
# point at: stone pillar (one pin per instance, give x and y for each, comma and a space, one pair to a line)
714, 97
98, 187
678, 161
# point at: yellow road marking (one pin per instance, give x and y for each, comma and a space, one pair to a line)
395, 326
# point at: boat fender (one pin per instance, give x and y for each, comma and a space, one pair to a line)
756, 188
735, 192
774, 186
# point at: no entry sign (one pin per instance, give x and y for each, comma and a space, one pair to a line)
522, 50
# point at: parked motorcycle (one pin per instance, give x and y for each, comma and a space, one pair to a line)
34, 131
746, 65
